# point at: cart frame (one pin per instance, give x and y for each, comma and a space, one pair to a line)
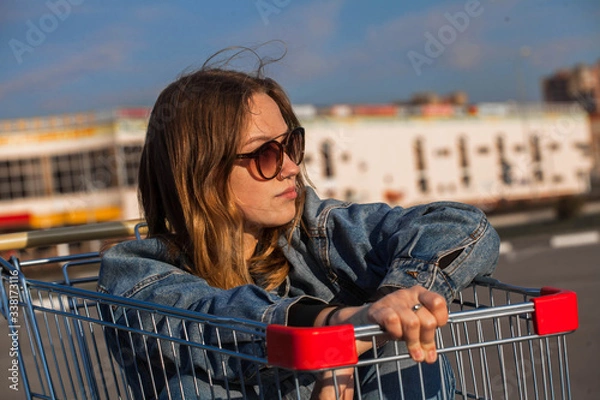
502, 341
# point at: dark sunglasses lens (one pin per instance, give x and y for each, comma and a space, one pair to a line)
295, 146
269, 159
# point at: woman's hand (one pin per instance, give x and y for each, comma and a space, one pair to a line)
326, 389
412, 315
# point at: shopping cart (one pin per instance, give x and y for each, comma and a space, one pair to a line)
68, 341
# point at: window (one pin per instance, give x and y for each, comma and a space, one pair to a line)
483, 150
442, 152
420, 161
67, 173
554, 146
585, 148
131, 162
102, 169
21, 179
83, 172
463, 161
536, 157
536, 154
326, 152
505, 167
349, 195
419, 156
423, 185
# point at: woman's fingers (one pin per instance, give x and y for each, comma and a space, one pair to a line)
412, 315
436, 305
338, 384
411, 324
436, 316
428, 325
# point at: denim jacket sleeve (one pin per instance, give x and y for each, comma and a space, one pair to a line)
370, 247
140, 270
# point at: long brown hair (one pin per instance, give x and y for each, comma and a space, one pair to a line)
193, 135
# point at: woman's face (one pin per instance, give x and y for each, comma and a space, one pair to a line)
264, 203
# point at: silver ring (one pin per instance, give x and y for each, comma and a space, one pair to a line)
417, 307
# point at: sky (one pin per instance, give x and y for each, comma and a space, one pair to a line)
63, 56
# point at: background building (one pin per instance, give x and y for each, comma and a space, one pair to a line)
82, 168
70, 169
579, 84
491, 154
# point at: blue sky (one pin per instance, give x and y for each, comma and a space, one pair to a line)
60, 56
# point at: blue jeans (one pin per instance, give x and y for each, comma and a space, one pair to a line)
405, 379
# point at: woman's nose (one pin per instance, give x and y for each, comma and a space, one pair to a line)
289, 168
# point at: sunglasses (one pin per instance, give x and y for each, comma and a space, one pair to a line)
268, 158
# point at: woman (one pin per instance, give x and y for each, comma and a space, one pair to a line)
234, 231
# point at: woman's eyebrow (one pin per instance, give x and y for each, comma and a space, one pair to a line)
263, 138
259, 138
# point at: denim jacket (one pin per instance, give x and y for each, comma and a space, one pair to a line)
343, 253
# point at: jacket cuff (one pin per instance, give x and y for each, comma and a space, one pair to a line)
279, 312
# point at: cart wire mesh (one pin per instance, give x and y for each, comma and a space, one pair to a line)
71, 342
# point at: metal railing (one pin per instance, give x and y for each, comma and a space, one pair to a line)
71, 234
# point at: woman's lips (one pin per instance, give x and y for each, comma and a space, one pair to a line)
289, 193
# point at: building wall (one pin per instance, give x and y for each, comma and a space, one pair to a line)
595, 134
71, 170
406, 161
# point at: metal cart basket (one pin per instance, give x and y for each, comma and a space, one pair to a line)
68, 341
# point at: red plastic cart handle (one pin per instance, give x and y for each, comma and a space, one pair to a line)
311, 348
555, 311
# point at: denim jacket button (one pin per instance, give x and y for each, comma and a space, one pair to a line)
422, 277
